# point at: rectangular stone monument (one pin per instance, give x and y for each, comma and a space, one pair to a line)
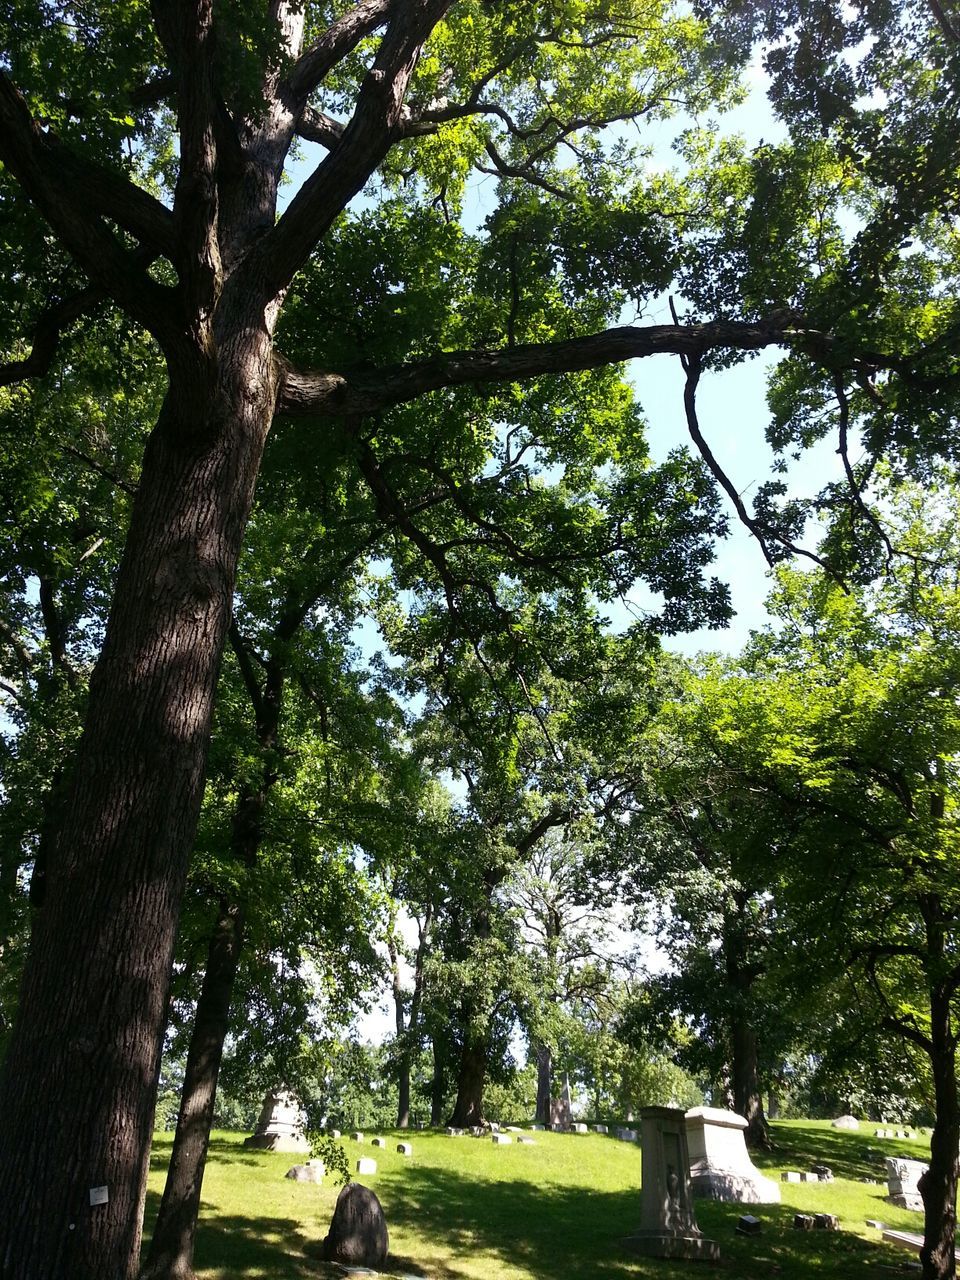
501, 1139
357, 1135
404, 1148
599, 1128
721, 1168
668, 1226
580, 1128
378, 1142
902, 1178
366, 1165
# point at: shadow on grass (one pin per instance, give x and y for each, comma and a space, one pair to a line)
850, 1155
577, 1234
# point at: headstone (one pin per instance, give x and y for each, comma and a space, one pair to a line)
335, 1133
808, 1177
627, 1135
803, 1222
539, 1128
790, 1175
826, 1222
846, 1122
748, 1225
454, 1133
668, 1226
501, 1139
378, 1142
358, 1231
357, 1135
404, 1148
312, 1171
823, 1171
902, 1179
581, 1128
280, 1126
720, 1167
528, 1142
366, 1165
599, 1128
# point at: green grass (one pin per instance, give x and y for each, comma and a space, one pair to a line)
463, 1209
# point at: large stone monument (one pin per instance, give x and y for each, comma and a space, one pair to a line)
668, 1226
720, 1166
280, 1127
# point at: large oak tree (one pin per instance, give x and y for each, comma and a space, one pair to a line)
143, 151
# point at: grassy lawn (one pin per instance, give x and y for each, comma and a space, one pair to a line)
463, 1209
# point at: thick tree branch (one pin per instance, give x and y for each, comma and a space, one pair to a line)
46, 337
49, 175
315, 126
335, 394
339, 39
188, 25
366, 140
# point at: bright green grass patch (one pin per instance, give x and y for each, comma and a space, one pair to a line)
463, 1209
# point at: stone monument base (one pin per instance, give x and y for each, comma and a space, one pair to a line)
276, 1142
667, 1244
733, 1188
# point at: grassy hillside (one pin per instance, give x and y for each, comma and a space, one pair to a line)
463, 1209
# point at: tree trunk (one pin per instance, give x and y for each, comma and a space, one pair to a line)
438, 1086
90, 1027
171, 1249
544, 1082
938, 1186
747, 1099
468, 1109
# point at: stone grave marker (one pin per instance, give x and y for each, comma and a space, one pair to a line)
312, 1171
404, 1148
358, 1233
335, 1133
599, 1128
378, 1142
721, 1168
748, 1225
280, 1126
581, 1128
668, 1225
357, 1135
366, 1165
501, 1139
790, 1175
902, 1178
528, 1142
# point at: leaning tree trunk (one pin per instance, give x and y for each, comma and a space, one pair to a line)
91, 1020
544, 1055
171, 1248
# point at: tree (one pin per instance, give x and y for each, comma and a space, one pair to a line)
430, 89
846, 717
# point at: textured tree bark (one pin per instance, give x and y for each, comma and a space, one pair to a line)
438, 1086
91, 1020
468, 1109
938, 1186
171, 1248
544, 1082
747, 1099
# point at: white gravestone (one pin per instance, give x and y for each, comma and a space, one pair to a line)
378, 1142
668, 1225
902, 1179
502, 1139
599, 1128
580, 1128
404, 1148
720, 1167
366, 1165
280, 1127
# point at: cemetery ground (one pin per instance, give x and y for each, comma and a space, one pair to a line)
464, 1209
